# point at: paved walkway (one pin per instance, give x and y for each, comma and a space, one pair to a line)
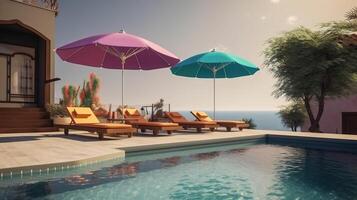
24, 151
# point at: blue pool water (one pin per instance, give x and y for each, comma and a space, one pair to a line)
252, 170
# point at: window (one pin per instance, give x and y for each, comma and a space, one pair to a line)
17, 74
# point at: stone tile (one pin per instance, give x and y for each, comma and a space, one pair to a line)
23, 150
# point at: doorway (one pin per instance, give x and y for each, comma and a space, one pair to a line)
17, 74
349, 122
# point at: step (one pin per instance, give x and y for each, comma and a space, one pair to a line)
36, 115
28, 130
7, 112
8, 123
31, 109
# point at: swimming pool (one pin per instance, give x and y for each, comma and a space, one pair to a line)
246, 170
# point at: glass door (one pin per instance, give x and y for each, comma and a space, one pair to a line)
3, 78
22, 78
17, 74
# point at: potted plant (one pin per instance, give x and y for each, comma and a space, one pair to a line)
58, 114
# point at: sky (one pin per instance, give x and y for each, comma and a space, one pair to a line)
186, 28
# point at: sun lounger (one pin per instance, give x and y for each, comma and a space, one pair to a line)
202, 116
84, 119
134, 118
176, 117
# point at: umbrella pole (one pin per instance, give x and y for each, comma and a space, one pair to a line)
122, 86
214, 95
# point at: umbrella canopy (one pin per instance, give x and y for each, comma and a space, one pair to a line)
214, 65
118, 50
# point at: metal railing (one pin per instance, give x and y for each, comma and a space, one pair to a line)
46, 4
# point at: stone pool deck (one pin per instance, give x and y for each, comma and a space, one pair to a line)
25, 151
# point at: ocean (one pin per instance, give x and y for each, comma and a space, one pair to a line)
266, 120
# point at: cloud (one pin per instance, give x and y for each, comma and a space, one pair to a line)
275, 1
291, 20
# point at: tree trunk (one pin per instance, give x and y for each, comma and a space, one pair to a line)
315, 127
308, 110
315, 122
321, 101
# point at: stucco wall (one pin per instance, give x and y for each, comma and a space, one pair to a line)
40, 19
331, 121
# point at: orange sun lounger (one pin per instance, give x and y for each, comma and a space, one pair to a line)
134, 118
176, 117
84, 119
202, 116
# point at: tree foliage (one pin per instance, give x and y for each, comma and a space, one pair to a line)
352, 14
158, 109
250, 122
69, 95
310, 65
293, 115
89, 93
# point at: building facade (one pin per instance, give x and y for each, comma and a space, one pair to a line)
340, 115
27, 37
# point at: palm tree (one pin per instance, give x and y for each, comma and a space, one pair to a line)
352, 14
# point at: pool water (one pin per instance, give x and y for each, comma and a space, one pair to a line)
238, 171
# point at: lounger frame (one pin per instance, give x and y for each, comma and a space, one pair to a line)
99, 130
229, 125
198, 125
156, 129
143, 125
226, 124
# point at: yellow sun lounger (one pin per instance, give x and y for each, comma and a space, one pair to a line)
84, 119
176, 117
134, 118
202, 116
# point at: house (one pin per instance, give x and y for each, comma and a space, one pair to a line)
27, 37
340, 114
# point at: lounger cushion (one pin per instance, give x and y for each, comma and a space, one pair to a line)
163, 124
198, 123
203, 116
132, 112
81, 113
90, 119
107, 125
233, 124
231, 121
176, 115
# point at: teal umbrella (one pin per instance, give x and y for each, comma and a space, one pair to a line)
214, 65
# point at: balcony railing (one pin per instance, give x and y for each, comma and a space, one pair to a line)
46, 4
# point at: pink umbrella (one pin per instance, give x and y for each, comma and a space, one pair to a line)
117, 51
